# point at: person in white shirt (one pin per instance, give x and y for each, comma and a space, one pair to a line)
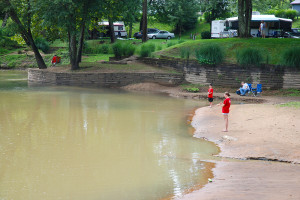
262, 29
245, 88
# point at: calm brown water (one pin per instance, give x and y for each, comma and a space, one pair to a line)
77, 143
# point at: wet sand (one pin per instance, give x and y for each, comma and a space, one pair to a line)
260, 131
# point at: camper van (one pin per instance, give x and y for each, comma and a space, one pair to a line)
119, 29
274, 26
219, 30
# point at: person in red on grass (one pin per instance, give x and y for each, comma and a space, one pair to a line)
225, 109
210, 95
54, 60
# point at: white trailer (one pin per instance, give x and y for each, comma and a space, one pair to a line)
119, 28
217, 28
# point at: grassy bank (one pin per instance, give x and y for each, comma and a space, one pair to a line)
270, 47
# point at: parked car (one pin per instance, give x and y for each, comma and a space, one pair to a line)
161, 35
139, 35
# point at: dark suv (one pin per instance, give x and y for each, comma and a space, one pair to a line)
139, 35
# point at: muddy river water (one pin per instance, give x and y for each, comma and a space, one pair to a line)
82, 143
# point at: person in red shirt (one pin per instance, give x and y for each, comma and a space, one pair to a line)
54, 60
225, 109
210, 95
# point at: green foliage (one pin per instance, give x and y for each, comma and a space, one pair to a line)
6, 42
185, 52
290, 57
3, 51
191, 89
206, 35
123, 49
210, 54
249, 56
128, 50
182, 13
42, 44
118, 49
93, 47
147, 49
288, 13
170, 43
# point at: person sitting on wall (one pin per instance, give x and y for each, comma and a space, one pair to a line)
244, 89
54, 60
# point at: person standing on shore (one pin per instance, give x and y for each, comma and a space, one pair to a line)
225, 109
210, 95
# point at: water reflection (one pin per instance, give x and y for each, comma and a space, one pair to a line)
70, 143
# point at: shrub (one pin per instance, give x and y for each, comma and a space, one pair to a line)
42, 44
185, 52
128, 50
3, 51
291, 14
118, 49
192, 89
206, 35
210, 54
147, 49
105, 48
290, 57
249, 56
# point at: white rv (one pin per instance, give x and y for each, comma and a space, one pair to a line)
119, 29
274, 26
217, 27
219, 30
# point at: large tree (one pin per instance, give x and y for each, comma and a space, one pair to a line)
72, 17
215, 9
131, 13
145, 20
182, 13
244, 16
21, 12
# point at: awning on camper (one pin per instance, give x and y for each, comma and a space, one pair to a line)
266, 18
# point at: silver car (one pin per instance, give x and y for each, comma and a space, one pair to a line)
161, 35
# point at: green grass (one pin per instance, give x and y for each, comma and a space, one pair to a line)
200, 27
137, 67
291, 104
296, 23
272, 46
17, 60
95, 58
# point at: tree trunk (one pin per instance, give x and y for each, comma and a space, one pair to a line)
111, 30
81, 40
244, 17
26, 35
5, 20
145, 10
130, 29
73, 51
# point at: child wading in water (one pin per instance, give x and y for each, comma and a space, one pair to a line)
225, 109
210, 95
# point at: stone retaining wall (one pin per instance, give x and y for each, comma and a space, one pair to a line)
44, 77
272, 77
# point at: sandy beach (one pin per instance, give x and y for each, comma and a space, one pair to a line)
256, 131
260, 155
